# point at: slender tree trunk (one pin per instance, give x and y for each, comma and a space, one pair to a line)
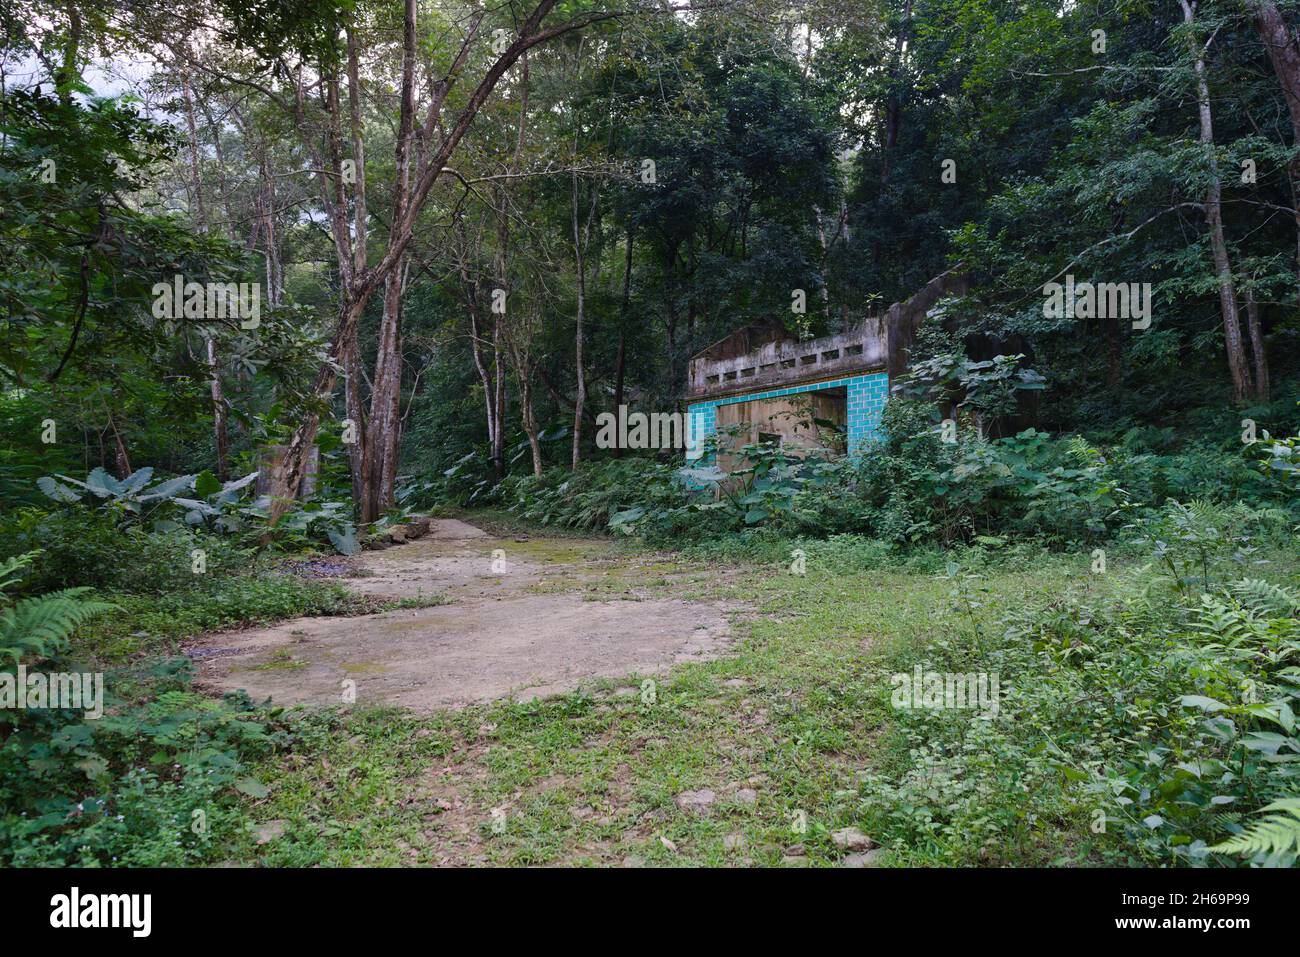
122, 461
218, 410
581, 237
201, 217
1237, 366
497, 385
356, 418
620, 362
499, 377
384, 430
1284, 54
1256, 331
527, 418
518, 337
476, 343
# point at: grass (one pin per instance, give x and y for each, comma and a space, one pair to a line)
782, 732
157, 624
792, 732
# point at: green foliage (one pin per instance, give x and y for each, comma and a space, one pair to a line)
1147, 723
126, 789
123, 789
38, 627
1275, 837
125, 505
591, 497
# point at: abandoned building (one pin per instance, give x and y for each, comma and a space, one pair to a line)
761, 384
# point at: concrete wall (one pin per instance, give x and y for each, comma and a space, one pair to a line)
723, 370
866, 401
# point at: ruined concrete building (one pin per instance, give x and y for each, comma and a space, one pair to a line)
762, 384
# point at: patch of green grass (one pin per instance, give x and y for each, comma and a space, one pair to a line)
156, 624
281, 660
431, 600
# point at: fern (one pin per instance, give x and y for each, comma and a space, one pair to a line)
1276, 834
39, 626
10, 568
1262, 596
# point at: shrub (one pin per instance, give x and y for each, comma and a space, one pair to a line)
1152, 726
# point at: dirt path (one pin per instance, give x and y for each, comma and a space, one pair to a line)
523, 618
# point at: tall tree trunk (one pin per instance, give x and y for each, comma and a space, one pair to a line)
201, 218
384, 430
476, 343
620, 362
356, 417
1256, 331
1284, 54
499, 382
497, 385
218, 410
581, 239
1237, 366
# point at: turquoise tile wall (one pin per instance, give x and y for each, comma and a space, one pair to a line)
866, 394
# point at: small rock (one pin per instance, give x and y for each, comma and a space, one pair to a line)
850, 838
398, 533
796, 850
867, 859
696, 801
268, 832
733, 842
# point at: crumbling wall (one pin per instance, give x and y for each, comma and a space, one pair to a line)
902, 319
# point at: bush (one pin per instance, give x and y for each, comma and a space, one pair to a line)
91, 547
1150, 726
156, 780
910, 489
595, 493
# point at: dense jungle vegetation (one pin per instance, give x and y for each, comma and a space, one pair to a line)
459, 233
